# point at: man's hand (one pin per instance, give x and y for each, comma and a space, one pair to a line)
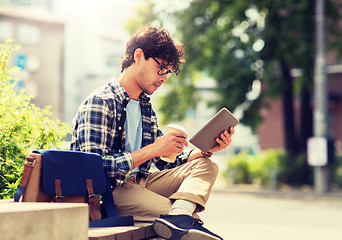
162, 146
170, 143
223, 141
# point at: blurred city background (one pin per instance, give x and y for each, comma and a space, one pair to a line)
275, 64
255, 58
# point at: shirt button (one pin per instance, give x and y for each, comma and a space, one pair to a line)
124, 109
120, 128
119, 151
127, 98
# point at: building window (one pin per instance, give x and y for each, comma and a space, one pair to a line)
28, 34
6, 30
48, 4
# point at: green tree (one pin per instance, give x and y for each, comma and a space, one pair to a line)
239, 41
23, 126
145, 15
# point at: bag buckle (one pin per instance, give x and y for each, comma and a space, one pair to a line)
30, 162
34, 162
58, 198
91, 195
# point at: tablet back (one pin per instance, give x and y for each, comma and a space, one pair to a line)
205, 139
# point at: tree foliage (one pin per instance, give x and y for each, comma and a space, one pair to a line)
236, 42
145, 15
242, 43
23, 126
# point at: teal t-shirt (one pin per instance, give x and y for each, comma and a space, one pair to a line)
133, 127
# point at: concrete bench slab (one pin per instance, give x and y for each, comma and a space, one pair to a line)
26, 220
38, 221
140, 230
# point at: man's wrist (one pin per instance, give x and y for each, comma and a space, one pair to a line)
206, 154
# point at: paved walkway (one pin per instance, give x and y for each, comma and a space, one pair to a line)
245, 214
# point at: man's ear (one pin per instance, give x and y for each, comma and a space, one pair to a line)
139, 55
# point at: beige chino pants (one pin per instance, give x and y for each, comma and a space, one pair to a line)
148, 198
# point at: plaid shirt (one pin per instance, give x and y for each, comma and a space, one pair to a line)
99, 127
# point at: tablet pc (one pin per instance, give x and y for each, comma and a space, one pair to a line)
204, 139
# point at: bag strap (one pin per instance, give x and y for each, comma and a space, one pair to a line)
29, 164
93, 201
58, 190
112, 220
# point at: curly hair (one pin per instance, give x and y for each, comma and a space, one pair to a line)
154, 42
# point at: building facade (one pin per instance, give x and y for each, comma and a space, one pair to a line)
271, 131
68, 48
41, 37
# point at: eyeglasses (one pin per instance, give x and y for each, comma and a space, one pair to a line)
163, 69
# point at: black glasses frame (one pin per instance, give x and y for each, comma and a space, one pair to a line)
168, 73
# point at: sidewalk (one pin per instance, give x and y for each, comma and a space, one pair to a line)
307, 194
248, 213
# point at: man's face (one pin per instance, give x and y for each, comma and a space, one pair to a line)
152, 75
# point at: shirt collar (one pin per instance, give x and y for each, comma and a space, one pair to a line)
121, 93
118, 90
143, 98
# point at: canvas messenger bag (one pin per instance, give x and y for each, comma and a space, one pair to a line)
70, 176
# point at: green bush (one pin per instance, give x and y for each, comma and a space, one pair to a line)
337, 172
271, 168
237, 169
261, 169
23, 126
295, 171
266, 166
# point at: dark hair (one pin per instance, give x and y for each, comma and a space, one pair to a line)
154, 42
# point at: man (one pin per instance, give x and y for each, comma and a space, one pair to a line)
118, 122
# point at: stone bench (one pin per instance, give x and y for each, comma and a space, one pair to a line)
140, 230
38, 221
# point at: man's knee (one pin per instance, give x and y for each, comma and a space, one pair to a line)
209, 165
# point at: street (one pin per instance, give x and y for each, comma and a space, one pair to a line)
243, 216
